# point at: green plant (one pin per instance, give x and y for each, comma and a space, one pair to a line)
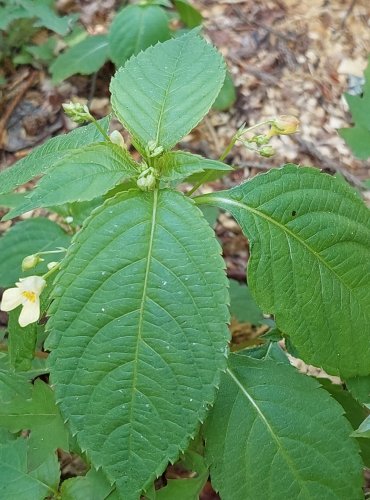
135, 28
21, 21
138, 311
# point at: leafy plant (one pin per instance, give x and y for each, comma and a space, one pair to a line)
135, 28
137, 313
21, 21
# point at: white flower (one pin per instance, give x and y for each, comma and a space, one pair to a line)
26, 293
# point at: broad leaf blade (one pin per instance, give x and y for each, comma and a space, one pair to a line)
18, 481
47, 155
26, 238
177, 165
138, 333
40, 415
310, 259
273, 433
161, 94
136, 28
87, 174
84, 58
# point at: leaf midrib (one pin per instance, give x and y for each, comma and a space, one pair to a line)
166, 94
228, 201
276, 438
142, 307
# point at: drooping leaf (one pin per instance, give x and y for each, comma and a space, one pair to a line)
84, 58
49, 154
21, 343
136, 28
189, 15
19, 481
227, 95
358, 137
92, 486
274, 433
87, 174
309, 262
162, 93
177, 165
40, 415
138, 333
26, 238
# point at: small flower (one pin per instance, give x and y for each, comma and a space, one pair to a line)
27, 294
31, 261
117, 138
284, 125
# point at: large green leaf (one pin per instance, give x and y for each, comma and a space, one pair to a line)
84, 58
26, 238
18, 481
177, 165
162, 93
273, 434
47, 155
310, 260
138, 333
89, 173
134, 29
40, 415
359, 387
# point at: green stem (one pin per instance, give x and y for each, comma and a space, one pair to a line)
51, 271
226, 151
101, 130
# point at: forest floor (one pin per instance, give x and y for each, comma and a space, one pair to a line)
286, 57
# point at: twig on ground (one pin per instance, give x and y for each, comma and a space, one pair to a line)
14, 103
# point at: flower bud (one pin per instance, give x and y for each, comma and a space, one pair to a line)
51, 265
153, 150
267, 151
147, 180
284, 125
117, 138
77, 112
31, 261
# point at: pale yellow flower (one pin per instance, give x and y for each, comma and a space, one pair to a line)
27, 294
